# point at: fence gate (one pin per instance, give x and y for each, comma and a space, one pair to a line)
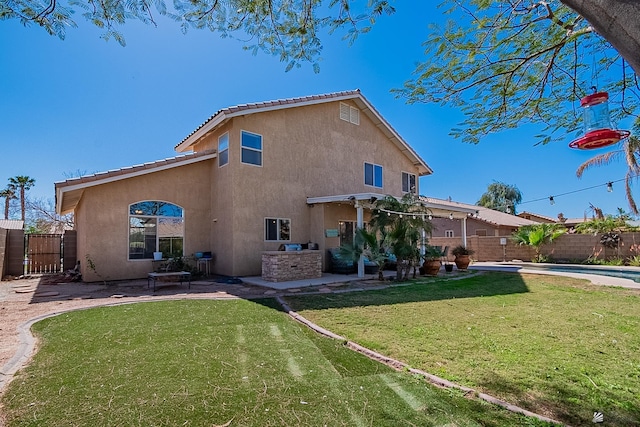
44, 253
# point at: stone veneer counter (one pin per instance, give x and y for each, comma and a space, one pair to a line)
284, 266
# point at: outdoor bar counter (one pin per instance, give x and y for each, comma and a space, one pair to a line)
284, 266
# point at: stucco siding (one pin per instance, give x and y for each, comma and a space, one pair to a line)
102, 218
306, 152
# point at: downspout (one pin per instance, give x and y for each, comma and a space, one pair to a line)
360, 224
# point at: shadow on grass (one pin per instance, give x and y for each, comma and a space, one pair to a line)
568, 404
57, 287
484, 285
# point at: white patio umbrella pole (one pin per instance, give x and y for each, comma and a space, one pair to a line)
360, 224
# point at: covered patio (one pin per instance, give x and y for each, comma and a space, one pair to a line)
363, 202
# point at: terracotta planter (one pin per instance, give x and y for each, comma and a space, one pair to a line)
431, 268
462, 262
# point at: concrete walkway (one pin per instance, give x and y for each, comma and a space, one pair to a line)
326, 279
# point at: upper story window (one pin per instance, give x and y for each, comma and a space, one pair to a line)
373, 175
277, 229
251, 148
223, 149
448, 233
349, 113
409, 183
155, 227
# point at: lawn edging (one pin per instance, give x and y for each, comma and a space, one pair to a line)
401, 366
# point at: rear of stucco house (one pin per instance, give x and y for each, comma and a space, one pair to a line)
254, 176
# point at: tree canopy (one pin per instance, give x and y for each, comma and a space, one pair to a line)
505, 64
501, 197
289, 29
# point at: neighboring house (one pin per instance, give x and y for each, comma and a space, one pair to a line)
540, 218
11, 246
483, 222
567, 222
12, 224
259, 175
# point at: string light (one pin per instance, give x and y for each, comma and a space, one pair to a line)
451, 215
609, 186
551, 201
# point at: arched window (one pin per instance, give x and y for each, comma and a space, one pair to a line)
155, 227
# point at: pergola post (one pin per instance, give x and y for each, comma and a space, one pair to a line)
360, 224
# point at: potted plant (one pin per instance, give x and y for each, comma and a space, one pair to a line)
462, 254
431, 264
448, 267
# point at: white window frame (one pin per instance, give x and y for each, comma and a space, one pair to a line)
449, 233
220, 152
278, 229
413, 190
242, 148
349, 114
373, 184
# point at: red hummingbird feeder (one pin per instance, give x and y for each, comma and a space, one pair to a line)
598, 132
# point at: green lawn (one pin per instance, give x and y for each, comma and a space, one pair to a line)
214, 363
553, 345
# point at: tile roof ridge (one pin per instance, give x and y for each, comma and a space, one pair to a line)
271, 103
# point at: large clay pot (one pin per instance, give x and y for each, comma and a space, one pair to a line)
431, 268
462, 262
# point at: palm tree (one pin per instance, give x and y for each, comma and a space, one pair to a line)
401, 224
9, 194
24, 183
537, 235
630, 150
367, 244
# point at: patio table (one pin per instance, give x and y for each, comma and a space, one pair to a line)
181, 275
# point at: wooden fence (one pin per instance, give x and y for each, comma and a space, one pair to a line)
37, 253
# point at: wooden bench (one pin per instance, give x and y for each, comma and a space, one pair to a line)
181, 275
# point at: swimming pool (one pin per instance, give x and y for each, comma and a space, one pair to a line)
622, 272
631, 273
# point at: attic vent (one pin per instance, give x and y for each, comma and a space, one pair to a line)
349, 113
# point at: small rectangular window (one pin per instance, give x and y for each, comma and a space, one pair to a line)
373, 175
448, 233
409, 183
276, 229
251, 148
223, 149
349, 113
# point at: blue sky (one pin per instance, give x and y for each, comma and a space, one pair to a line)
86, 105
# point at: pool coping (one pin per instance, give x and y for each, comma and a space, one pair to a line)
539, 268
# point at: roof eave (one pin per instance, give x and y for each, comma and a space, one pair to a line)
64, 188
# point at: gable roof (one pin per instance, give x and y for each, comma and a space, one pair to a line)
487, 215
530, 215
69, 192
224, 115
